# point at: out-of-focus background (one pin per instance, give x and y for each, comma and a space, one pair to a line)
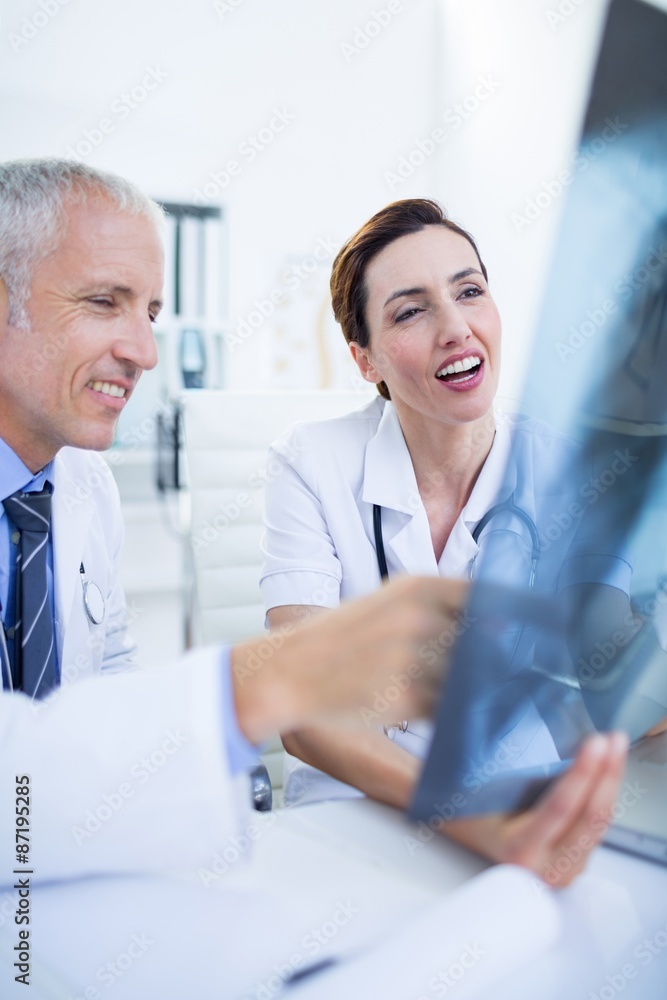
273, 130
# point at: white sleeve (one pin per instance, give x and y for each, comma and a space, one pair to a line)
127, 773
300, 561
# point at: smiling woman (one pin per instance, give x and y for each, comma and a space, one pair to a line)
412, 296
430, 340
406, 484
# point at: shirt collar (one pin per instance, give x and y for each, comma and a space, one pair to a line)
14, 475
497, 479
389, 478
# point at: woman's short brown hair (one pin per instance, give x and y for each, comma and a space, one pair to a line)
349, 294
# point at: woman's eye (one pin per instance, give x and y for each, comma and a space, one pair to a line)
472, 293
408, 314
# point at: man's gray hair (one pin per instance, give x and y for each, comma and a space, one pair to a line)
34, 195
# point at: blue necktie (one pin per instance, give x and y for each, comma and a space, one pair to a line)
34, 645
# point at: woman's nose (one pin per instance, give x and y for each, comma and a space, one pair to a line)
453, 327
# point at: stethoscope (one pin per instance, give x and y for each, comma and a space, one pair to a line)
94, 606
507, 507
93, 599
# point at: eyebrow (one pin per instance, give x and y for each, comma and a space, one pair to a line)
459, 276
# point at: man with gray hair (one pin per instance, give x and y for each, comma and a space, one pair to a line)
81, 269
81, 264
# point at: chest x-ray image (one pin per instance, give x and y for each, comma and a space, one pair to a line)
578, 641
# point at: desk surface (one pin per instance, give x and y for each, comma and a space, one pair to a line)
334, 877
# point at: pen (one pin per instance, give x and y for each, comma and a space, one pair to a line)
310, 970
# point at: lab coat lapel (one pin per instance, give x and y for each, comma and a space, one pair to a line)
498, 477
495, 484
72, 511
389, 480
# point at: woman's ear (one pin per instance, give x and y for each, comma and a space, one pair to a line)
364, 363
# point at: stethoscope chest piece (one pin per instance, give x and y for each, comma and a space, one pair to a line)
93, 602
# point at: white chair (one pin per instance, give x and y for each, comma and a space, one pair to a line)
226, 437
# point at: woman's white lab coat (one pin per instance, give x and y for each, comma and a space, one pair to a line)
319, 545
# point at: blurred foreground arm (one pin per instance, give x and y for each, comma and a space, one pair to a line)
338, 663
127, 773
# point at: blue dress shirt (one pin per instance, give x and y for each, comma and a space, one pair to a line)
241, 754
14, 475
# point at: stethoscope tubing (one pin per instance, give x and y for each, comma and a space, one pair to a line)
508, 506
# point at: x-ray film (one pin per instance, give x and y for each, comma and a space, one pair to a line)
566, 630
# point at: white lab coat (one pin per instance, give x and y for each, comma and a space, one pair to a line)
319, 545
128, 773
87, 529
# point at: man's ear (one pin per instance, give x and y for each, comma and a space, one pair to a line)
364, 363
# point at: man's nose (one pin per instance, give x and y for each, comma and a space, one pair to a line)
137, 344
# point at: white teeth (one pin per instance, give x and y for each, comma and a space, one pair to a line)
459, 366
108, 388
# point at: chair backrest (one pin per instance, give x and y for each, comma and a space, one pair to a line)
226, 436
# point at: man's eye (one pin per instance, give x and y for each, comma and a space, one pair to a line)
97, 301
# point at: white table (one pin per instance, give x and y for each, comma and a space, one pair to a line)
332, 877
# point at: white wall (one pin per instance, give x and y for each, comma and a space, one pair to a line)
538, 56
225, 73
227, 66
219, 70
